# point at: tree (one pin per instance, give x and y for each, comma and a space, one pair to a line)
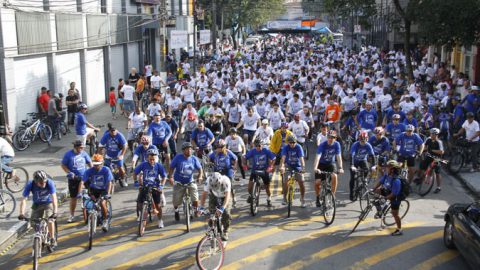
363, 9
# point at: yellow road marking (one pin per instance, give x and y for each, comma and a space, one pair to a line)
81, 231
239, 264
280, 184
326, 252
437, 260
389, 253
171, 248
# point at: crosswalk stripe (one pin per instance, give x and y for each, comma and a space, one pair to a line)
63, 238
437, 260
388, 253
326, 252
248, 239
158, 253
239, 264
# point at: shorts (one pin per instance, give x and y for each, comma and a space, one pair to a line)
265, 177
41, 211
97, 193
83, 138
329, 167
161, 148
395, 204
179, 191
132, 132
128, 105
249, 133
120, 100
157, 196
214, 202
410, 160
108, 161
426, 162
298, 176
73, 184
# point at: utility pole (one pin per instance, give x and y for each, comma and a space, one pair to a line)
214, 25
163, 19
194, 36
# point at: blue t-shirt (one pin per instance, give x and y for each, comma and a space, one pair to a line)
458, 112
151, 174
391, 184
184, 168
40, 195
292, 156
379, 146
471, 102
260, 159
113, 145
98, 179
368, 119
173, 125
202, 138
328, 152
391, 112
413, 122
350, 123
159, 132
395, 130
408, 144
222, 162
361, 152
76, 163
80, 123
141, 152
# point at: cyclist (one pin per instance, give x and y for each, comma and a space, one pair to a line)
261, 159
322, 136
224, 160
98, 181
264, 133
7, 155
184, 165
160, 132
137, 122
153, 175
406, 145
367, 119
74, 164
360, 152
381, 145
390, 186
328, 153
299, 129
395, 128
250, 122
189, 125
202, 139
44, 197
472, 135
140, 153
116, 147
293, 156
433, 146
333, 112
83, 128
279, 139
175, 129
236, 145
275, 116
218, 189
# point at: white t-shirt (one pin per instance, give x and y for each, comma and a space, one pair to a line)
348, 103
155, 80
174, 103
137, 119
234, 113
321, 138
264, 134
128, 92
188, 95
234, 145
221, 189
153, 108
299, 130
6, 149
407, 106
250, 122
275, 118
385, 101
471, 130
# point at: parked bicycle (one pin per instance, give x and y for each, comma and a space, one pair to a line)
210, 251
424, 184
461, 155
7, 204
41, 238
92, 213
327, 198
28, 133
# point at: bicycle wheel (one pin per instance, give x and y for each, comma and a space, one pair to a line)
46, 134
253, 202
346, 151
455, 163
305, 150
210, 253
93, 147
110, 212
186, 210
17, 180
362, 216
92, 223
364, 198
329, 207
289, 200
425, 185
36, 252
20, 142
143, 219
388, 219
7, 204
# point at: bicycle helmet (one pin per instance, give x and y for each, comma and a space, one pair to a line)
40, 176
257, 142
83, 106
186, 145
332, 134
233, 130
265, 122
152, 152
285, 124
378, 130
97, 159
409, 127
363, 136
396, 116
470, 114
218, 184
145, 140
291, 138
393, 163
435, 131
221, 143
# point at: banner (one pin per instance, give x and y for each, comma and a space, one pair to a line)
284, 24
178, 39
205, 37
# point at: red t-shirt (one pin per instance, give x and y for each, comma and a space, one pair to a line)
112, 99
43, 101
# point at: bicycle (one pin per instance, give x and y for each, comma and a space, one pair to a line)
7, 204
187, 205
424, 184
94, 142
41, 239
111, 163
147, 209
360, 190
386, 216
328, 198
462, 154
290, 188
91, 210
305, 149
256, 188
14, 178
27, 134
210, 251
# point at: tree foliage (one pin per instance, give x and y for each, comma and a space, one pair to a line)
363, 9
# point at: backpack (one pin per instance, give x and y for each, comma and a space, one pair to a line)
405, 188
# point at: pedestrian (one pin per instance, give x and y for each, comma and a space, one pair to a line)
77, 92
112, 100
53, 113
43, 100
128, 94
120, 95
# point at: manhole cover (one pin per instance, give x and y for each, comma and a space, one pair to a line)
51, 149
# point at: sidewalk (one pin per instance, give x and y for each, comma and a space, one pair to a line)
40, 156
471, 181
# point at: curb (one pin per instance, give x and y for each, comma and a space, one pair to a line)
475, 193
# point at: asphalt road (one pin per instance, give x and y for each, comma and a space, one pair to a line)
266, 241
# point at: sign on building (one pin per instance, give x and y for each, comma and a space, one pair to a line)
284, 24
205, 37
178, 39
357, 28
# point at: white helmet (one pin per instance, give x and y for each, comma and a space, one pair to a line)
218, 184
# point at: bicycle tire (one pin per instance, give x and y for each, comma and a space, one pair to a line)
206, 242
289, 200
455, 163
186, 210
36, 252
46, 133
364, 198
142, 224
388, 219
253, 203
109, 212
426, 184
19, 141
7, 204
362, 217
305, 150
16, 185
257, 197
329, 214
346, 151
93, 148
92, 223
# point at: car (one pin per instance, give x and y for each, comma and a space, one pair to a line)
462, 231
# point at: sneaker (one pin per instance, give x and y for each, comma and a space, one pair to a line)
249, 199
177, 215
53, 242
378, 215
70, 219
225, 236
352, 198
105, 226
269, 202
123, 183
284, 202
138, 218
397, 232
437, 190
303, 205
317, 202
160, 224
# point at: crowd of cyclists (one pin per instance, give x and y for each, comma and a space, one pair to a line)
253, 109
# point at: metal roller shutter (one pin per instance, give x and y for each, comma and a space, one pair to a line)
95, 77
133, 57
117, 68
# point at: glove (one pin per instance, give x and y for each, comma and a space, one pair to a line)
70, 175
21, 217
53, 216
